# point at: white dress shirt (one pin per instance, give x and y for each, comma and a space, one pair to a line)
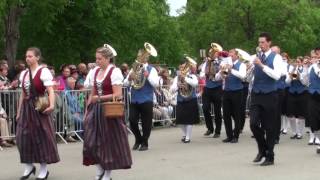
301, 77
203, 70
153, 77
278, 66
191, 79
306, 73
241, 74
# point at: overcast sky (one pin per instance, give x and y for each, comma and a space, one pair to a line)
176, 4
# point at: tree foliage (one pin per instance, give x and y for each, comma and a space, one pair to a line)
69, 31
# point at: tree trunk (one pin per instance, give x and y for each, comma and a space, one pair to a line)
12, 33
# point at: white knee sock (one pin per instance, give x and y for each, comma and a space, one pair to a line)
99, 171
285, 123
300, 126
27, 169
184, 130
43, 170
317, 136
189, 131
107, 175
293, 125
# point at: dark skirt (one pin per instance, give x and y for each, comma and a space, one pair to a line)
297, 105
187, 112
35, 136
105, 141
314, 111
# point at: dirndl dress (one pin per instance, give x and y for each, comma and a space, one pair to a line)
35, 131
105, 140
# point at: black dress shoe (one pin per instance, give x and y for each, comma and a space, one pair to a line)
33, 171
46, 177
183, 139
259, 157
136, 146
208, 133
299, 136
143, 147
294, 137
267, 162
216, 135
234, 140
227, 140
187, 141
318, 151
276, 141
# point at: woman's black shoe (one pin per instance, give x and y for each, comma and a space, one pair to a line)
183, 138
33, 171
187, 141
46, 177
135, 146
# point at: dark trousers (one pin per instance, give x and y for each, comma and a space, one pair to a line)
143, 111
263, 121
231, 104
243, 107
281, 101
212, 95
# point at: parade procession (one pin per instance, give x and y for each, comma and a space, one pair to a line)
222, 102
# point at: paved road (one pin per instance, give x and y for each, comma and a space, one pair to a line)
202, 159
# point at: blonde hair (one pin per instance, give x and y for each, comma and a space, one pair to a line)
106, 52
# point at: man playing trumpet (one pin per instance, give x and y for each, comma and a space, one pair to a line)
232, 95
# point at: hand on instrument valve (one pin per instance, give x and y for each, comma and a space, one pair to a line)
258, 62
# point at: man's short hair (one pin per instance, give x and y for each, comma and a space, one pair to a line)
265, 35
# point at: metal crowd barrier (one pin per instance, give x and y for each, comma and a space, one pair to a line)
70, 110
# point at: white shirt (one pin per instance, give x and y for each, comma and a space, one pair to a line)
116, 75
87, 83
306, 73
45, 76
191, 79
203, 70
301, 77
278, 66
153, 77
241, 74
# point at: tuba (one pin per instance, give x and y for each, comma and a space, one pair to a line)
184, 88
210, 68
137, 71
246, 58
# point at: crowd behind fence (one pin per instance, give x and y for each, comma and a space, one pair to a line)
69, 111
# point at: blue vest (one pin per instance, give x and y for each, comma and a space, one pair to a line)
232, 82
281, 83
213, 84
183, 99
262, 82
145, 94
314, 86
297, 86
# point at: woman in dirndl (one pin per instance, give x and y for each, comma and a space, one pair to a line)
105, 139
185, 84
35, 130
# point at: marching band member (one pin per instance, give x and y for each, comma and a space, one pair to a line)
35, 130
263, 120
232, 96
297, 99
285, 124
187, 106
143, 78
105, 139
281, 85
313, 77
212, 92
